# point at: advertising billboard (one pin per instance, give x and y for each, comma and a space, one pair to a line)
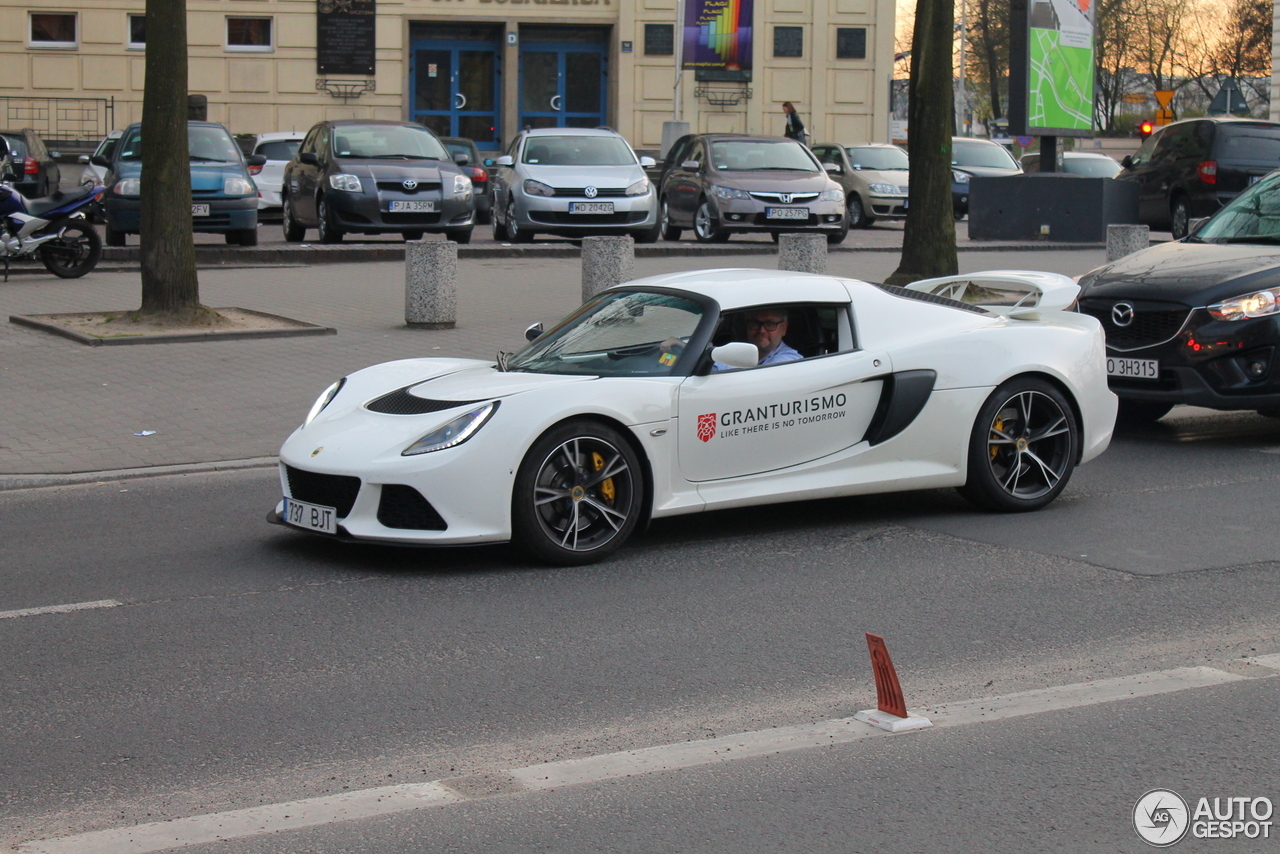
717, 37
1051, 67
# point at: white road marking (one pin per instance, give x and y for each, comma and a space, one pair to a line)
60, 609
255, 821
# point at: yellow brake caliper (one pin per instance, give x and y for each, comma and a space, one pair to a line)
996, 428
606, 486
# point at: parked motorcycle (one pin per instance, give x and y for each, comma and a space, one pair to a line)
55, 229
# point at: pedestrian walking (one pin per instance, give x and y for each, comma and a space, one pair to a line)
795, 127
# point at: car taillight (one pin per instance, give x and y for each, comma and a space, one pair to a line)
478, 174
1208, 171
254, 170
31, 166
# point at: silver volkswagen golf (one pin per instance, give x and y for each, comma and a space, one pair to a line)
572, 182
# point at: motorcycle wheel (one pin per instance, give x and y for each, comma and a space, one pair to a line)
73, 254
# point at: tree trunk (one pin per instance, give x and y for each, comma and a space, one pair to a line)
929, 237
169, 283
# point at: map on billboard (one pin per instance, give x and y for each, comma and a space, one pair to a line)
1060, 65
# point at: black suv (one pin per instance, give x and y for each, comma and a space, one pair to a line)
1190, 169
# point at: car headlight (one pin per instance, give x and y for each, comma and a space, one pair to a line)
1249, 306
454, 433
238, 187
128, 187
537, 188
730, 193
639, 188
325, 398
884, 189
461, 185
835, 195
346, 183
959, 177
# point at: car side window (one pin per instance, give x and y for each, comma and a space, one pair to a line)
322, 143
802, 331
676, 154
1145, 151
697, 153
308, 143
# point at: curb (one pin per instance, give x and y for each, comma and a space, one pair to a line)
34, 481
299, 328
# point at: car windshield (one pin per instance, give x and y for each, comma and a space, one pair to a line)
17, 146
981, 154
1091, 167
617, 334
279, 149
204, 144
762, 155
1251, 217
387, 142
578, 151
883, 159
1257, 143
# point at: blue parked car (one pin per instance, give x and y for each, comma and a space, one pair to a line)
224, 199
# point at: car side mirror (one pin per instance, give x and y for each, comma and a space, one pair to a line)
461, 159
258, 160
533, 331
833, 168
83, 160
1127, 163
505, 160
309, 158
692, 165
737, 354
648, 162
488, 161
1194, 225
99, 160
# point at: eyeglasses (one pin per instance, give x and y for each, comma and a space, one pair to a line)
767, 325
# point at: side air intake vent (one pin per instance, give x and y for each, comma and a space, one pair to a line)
400, 402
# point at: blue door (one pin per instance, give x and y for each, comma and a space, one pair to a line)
455, 89
562, 84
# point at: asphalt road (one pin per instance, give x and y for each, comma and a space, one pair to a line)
248, 665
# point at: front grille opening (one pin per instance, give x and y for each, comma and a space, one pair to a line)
1150, 326
404, 507
329, 490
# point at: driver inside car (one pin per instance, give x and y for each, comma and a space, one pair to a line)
765, 328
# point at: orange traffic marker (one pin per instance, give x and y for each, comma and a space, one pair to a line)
891, 707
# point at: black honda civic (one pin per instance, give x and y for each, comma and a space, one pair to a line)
1197, 320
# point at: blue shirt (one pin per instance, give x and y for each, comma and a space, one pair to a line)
782, 353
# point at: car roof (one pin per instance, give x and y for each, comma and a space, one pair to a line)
282, 134
955, 139
1093, 154
865, 145
740, 288
571, 132
388, 122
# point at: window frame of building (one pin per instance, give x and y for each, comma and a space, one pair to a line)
789, 29
840, 31
670, 35
32, 42
130, 42
269, 47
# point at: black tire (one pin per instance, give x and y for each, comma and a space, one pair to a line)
578, 494
856, 214
835, 238
669, 231
704, 225
1179, 218
651, 234
412, 235
1141, 411
75, 253
328, 233
515, 233
247, 237
462, 236
1023, 447
114, 238
483, 217
294, 232
499, 229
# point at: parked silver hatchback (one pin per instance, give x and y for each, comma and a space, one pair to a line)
572, 182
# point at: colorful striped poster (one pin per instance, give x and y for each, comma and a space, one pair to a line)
717, 34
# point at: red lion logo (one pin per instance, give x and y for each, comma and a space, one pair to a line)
706, 426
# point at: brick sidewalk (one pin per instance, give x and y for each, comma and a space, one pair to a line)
65, 407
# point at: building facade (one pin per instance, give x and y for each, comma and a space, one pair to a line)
477, 68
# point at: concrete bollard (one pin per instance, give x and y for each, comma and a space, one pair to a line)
606, 261
1125, 240
803, 253
430, 284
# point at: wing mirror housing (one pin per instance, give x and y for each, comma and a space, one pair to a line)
737, 354
691, 165
1127, 163
83, 160
99, 160
833, 168
461, 159
258, 160
309, 158
1194, 225
534, 330
648, 162
505, 160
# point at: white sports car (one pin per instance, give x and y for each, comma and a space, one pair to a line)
648, 402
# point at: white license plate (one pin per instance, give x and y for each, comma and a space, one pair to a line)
590, 207
1135, 369
199, 210
313, 517
786, 213
416, 207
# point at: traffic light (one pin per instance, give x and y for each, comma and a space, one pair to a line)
1145, 129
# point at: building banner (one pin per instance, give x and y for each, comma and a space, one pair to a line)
717, 35
345, 37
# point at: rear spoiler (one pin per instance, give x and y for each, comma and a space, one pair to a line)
1011, 293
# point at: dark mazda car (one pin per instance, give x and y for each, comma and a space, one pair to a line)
1197, 320
371, 177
